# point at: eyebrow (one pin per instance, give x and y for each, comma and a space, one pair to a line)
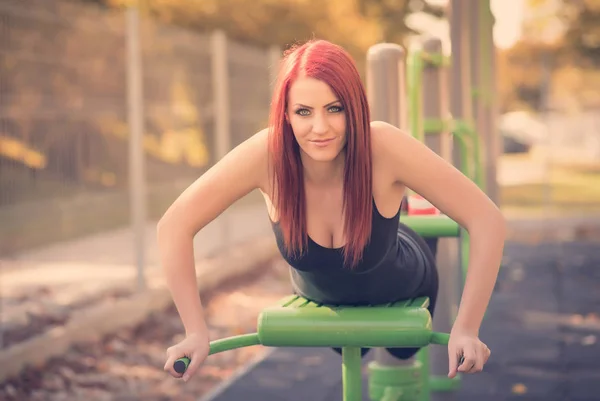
327, 105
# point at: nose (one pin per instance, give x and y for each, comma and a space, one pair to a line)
320, 124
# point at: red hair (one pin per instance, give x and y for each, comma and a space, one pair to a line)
331, 64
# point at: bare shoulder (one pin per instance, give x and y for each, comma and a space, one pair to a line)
385, 140
255, 152
403, 154
416, 166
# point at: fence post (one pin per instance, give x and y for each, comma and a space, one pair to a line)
480, 79
137, 179
461, 105
386, 93
436, 108
460, 91
274, 60
435, 97
221, 112
492, 141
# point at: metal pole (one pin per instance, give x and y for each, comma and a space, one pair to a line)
491, 141
460, 89
137, 182
386, 93
220, 72
274, 60
545, 109
481, 60
478, 88
386, 84
435, 103
435, 106
495, 149
221, 113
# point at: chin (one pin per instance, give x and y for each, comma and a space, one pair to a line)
328, 156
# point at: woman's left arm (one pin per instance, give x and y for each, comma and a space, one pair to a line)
429, 175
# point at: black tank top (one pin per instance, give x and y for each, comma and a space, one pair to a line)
391, 269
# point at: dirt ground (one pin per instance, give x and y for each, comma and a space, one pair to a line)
128, 366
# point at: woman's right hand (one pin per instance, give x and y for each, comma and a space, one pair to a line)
195, 347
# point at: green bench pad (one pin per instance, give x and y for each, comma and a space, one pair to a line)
298, 322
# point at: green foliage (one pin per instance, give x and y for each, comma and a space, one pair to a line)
354, 24
576, 21
390, 15
582, 37
562, 37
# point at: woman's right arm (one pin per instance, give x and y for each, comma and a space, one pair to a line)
235, 175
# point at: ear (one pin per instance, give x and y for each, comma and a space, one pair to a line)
287, 117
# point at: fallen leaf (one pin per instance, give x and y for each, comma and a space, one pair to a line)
519, 388
517, 274
589, 340
576, 319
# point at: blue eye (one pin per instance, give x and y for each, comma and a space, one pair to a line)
331, 109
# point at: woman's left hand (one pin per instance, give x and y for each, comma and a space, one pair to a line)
470, 349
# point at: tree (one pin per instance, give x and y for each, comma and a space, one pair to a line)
391, 15
571, 24
559, 51
582, 36
354, 24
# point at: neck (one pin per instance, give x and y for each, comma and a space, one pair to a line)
324, 173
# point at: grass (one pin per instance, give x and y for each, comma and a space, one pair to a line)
568, 189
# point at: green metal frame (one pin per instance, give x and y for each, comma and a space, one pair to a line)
432, 226
298, 322
468, 139
414, 84
471, 164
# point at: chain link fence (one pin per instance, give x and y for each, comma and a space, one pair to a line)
64, 133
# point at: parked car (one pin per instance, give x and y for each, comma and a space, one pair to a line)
514, 144
520, 131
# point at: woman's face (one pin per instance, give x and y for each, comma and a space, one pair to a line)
317, 118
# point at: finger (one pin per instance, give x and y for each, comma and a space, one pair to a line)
453, 361
169, 357
172, 355
481, 352
166, 367
479, 358
470, 356
485, 353
195, 362
169, 366
488, 353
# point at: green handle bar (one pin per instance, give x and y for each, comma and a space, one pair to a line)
247, 340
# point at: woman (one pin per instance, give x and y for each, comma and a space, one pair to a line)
333, 182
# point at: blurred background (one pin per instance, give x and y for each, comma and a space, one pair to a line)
107, 113
64, 98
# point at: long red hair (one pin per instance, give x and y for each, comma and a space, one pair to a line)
331, 64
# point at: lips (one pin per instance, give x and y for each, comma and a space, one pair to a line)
322, 143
